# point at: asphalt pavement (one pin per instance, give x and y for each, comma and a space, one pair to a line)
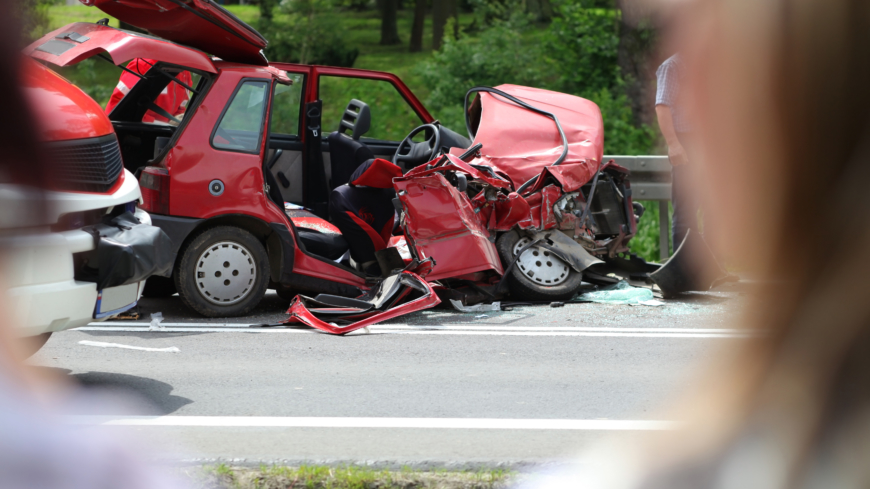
438, 388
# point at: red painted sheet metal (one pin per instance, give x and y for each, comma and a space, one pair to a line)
441, 223
63, 111
520, 142
202, 24
122, 46
315, 224
300, 314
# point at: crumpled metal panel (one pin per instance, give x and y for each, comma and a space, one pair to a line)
443, 225
521, 143
301, 314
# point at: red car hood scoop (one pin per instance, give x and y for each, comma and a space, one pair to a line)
201, 24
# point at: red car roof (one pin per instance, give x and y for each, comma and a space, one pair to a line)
521, 143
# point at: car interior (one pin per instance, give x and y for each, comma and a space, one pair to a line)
347, 150
144, 143
289, 187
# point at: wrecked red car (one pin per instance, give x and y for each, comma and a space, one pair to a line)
241, 180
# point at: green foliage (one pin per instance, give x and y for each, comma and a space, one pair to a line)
347, 477
583, 42
621, 136
392, 117
96, 77
307, 34
498, 55
646, 242
286, 106
33, 17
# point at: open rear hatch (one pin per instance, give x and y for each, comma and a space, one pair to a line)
201, 24
79, 41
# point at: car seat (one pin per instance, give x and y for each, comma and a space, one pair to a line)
346, 152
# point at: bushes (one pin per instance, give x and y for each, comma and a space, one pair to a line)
576, 54
307, 34
499, 55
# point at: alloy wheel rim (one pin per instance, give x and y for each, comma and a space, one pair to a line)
540, 265
225, 273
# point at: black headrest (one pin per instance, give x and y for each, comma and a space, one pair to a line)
357, 119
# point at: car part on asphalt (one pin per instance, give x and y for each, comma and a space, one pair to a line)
380, 307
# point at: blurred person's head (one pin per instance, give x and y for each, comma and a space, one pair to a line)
779, 93
778, 90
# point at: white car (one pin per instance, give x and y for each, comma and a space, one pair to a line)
78, 250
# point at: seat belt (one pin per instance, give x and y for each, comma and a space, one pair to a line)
316, 191
161, 112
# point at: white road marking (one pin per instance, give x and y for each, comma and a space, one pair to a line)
413, 423
472, 330
100, 344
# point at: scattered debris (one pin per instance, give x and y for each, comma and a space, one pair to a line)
128, 316
100, 344
495, 306
376, 306
557, 304
652, 302
156, 319
619, 293
481, 316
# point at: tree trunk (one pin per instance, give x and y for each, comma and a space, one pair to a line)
453, 13
417, 27
389, 29
439, 18
634, 57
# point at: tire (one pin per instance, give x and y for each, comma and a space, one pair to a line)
523, 285
223, 272
158, 287
30, 345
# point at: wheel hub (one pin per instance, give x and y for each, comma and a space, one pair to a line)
225, 273
540, 265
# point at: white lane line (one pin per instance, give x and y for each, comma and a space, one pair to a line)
419, 423
423, 330
457, 326
100, 344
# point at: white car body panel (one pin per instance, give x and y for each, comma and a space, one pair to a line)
42, 295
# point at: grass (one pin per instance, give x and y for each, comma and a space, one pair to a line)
346, 477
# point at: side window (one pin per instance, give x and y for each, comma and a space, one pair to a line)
392, 117
287, 105
241, 127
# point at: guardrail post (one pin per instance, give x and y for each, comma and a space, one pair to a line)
664, 230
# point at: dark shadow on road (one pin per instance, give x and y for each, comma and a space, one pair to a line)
157, 395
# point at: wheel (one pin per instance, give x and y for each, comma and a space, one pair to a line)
223, 272
30, 345
159, 287
538, 275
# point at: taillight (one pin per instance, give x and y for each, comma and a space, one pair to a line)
154, 183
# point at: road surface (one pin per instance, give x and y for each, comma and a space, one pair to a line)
438, 388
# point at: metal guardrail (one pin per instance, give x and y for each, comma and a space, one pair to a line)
651, 180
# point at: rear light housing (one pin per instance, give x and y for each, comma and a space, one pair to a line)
154, 183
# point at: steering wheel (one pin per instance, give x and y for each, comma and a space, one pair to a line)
418, 153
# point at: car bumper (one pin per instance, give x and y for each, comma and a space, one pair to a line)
42, 294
